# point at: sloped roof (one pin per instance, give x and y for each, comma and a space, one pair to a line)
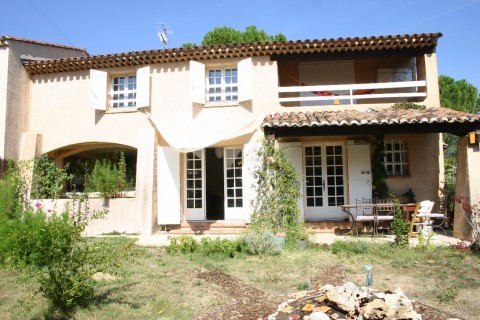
356, 44
436, 118
3, 38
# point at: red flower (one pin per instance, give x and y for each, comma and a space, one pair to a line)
38, 204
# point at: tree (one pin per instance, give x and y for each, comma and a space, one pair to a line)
228, 35
458, 95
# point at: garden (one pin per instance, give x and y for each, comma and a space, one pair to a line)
49, 270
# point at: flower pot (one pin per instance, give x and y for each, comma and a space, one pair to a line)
280, 241
302, 244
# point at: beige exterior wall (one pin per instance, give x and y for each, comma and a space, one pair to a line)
425, 161
61, 113
15, 89
468, 177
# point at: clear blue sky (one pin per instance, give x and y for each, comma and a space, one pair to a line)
114, 26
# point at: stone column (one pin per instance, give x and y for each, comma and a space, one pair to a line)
468, 183
144, 189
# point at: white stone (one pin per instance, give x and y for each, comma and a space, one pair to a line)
319, 316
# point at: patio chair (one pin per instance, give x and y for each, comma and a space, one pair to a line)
364, 212
421, 219
385, 212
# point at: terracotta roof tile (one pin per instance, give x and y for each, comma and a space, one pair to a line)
389, 42
370, 116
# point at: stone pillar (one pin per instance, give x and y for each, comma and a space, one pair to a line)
468, 183
144, 189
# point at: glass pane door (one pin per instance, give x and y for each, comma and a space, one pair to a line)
194, 185
324, 181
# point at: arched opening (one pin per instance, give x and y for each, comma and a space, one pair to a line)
80, 163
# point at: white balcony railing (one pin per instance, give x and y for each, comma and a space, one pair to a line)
354, 92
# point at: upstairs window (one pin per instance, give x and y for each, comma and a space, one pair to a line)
124, 92
395, 74
222, 85
395, 158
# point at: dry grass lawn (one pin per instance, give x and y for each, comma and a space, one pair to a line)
157, 285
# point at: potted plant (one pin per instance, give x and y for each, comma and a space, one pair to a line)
302, 240
281, 237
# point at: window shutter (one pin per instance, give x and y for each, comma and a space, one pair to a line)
143, 87
295, 155
168, 186
98, 90
245, 68
197, 82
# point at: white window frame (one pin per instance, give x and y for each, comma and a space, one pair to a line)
129, 99
396, 157
195, 213
235, 188
222, 86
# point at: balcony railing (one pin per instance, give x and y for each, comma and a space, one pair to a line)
354, 92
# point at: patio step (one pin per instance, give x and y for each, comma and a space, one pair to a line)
210, 228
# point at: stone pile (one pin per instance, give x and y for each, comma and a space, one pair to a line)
347, 302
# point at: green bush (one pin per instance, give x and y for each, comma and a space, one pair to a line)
400, 227
351, 247
50, 247
108, 178
217, 246
48, 180
182, 244
261, 242
10, 194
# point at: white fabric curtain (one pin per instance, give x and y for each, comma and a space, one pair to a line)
209, 127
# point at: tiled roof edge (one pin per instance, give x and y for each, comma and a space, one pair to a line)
2, 38
393, 42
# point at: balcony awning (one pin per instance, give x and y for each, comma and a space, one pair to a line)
390, 120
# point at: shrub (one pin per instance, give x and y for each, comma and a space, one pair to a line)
400, 227
10, 194
48, 180
354, 247
108, 178
206, 246
50, 247
261, 242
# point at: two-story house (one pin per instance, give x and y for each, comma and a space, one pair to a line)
189, 121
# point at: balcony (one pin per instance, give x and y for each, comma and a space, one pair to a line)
353, 93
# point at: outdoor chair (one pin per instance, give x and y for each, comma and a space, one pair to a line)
385, 212
421, 219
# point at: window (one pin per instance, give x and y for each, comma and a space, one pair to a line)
395, 74
124, 92
120, 92
395, 158
233, 176
222, 85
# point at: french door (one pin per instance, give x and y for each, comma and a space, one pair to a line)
214, 184
324, 181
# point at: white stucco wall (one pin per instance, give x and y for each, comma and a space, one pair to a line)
121, 216
3, 96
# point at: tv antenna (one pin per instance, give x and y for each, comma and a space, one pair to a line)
162, 33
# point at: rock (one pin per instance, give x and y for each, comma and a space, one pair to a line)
376, 309
319, 316
346, 297
400, 307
